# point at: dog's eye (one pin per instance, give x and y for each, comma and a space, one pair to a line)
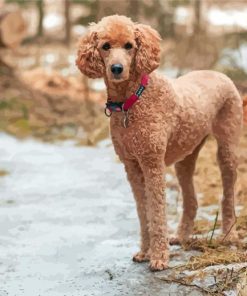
128, 45
106, 46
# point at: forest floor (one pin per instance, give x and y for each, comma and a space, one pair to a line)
68, 226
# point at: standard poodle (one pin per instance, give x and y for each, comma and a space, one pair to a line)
156, 122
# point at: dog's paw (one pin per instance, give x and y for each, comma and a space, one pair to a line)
175, 240
158, 265
141, 257
180, 239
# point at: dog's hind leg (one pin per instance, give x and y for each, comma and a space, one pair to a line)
136, 179
185, 170
228, 164
226, 129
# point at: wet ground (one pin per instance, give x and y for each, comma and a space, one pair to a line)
68, 224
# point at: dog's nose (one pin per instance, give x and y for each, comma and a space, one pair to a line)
117, 68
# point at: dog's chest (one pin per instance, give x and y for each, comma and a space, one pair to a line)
140, 138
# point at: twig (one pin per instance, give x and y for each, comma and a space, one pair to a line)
110, 274
226, 277
215, 222
183, 283
228, 231
179, 266
223, 284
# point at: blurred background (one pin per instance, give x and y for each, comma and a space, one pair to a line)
50, 99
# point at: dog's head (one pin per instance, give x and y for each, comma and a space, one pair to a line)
116, 46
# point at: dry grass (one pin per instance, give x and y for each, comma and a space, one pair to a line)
214, 253
217, 251
225, 279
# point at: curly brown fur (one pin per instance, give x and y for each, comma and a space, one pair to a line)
167, 126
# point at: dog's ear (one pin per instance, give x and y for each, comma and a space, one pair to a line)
88, 59
148, 48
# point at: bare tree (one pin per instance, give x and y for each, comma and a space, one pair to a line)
197, 16
67, 6
40, 7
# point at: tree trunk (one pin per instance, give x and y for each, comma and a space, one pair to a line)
13, 28
197, 16
67, 21
40, 7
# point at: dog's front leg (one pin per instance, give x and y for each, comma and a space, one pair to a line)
153, 170
136, 179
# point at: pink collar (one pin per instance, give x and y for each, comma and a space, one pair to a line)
125, 106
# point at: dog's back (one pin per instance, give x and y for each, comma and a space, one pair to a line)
206, 91
207, 103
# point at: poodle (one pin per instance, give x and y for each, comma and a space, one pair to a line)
156, 122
